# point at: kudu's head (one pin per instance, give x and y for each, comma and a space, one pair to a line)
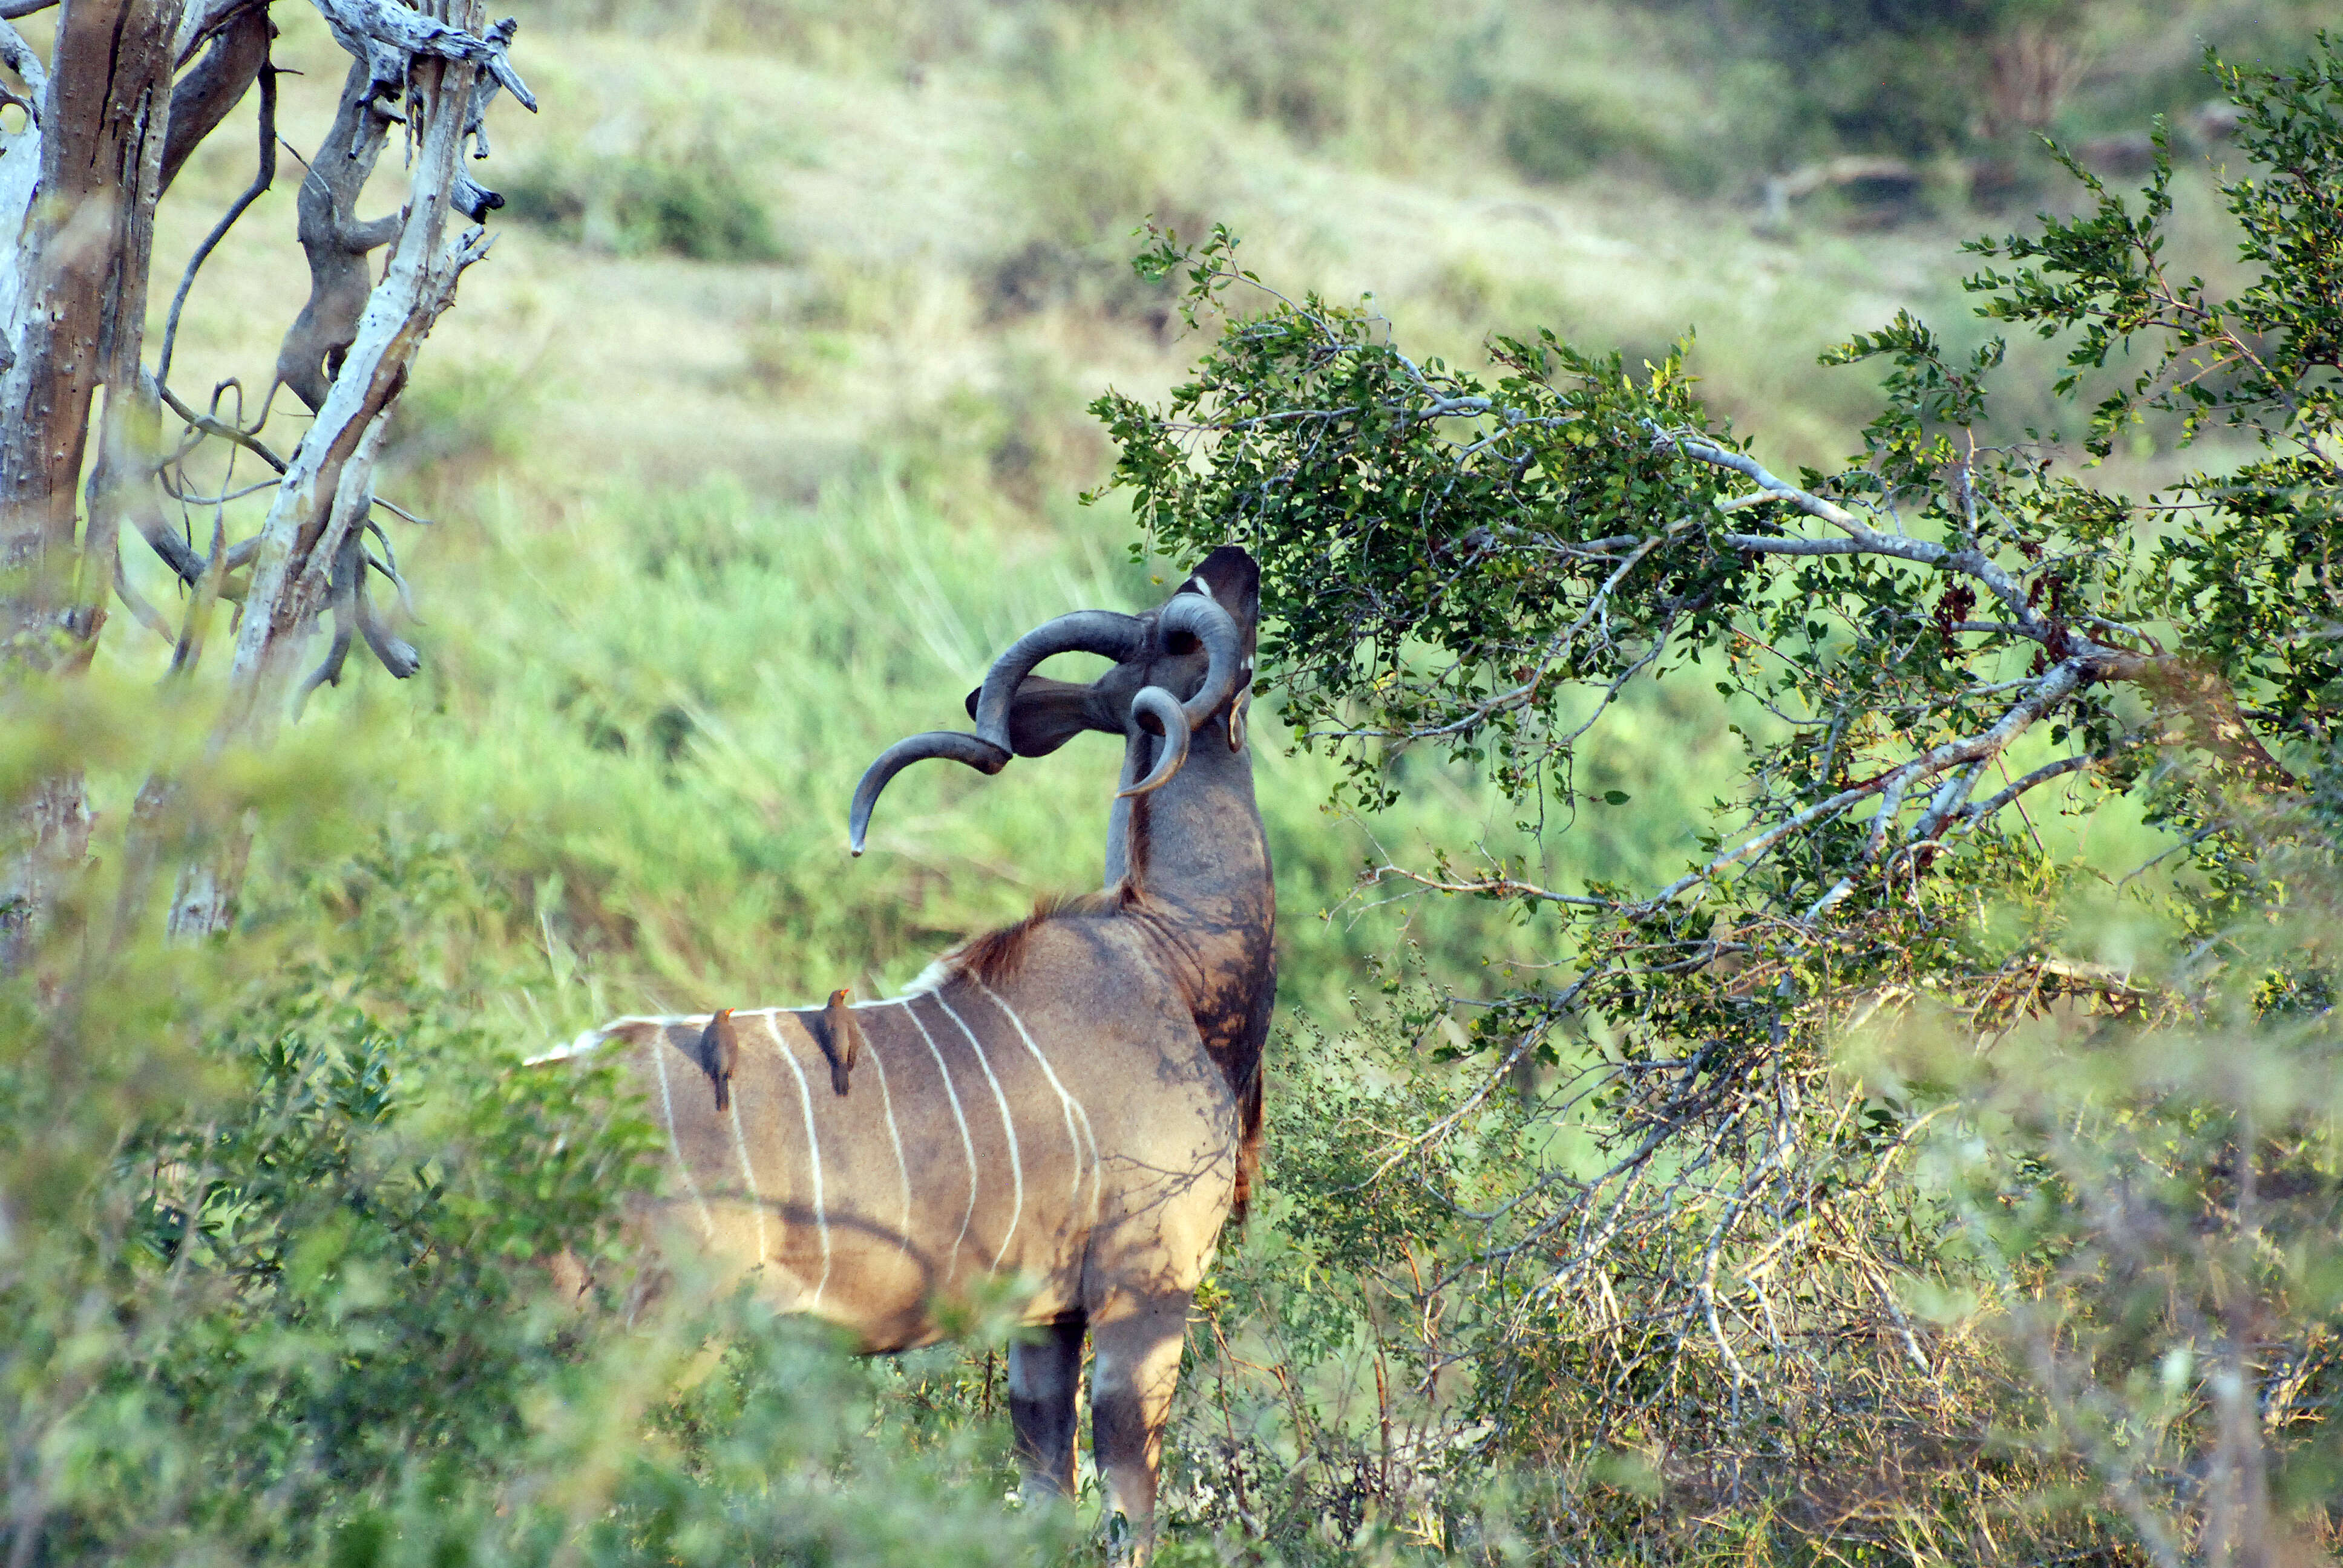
1177, 692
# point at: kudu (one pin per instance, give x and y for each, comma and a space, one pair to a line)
1074, 1101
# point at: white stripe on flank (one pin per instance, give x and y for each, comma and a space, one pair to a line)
674, 1144
749, 1174
813, 1149
967, 1145
1016, 1166
902, 1170
1066, 1103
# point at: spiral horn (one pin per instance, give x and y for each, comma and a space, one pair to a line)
1167, 711
1103, 631
1211, 625
951, 744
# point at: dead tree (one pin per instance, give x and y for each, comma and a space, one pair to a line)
129, 89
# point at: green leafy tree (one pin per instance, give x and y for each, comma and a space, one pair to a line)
1923, 651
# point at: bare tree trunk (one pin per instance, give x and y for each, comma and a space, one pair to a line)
79, 310
20, 176
84, 263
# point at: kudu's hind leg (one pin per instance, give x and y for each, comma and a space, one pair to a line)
1136, 1363
1044, 1377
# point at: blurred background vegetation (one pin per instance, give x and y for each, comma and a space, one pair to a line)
760, 432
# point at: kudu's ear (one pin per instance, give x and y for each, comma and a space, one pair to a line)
1044, 713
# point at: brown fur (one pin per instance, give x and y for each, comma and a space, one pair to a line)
996, 957
1243, 1070
1141, 809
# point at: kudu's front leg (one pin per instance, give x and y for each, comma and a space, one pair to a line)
1135, 1366
1044, 1376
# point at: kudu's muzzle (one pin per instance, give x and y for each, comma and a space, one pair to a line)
1125, 638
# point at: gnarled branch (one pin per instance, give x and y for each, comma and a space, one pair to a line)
240, 31
336, 242
390, 37
328, 484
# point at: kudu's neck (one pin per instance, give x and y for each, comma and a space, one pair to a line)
1194, 852
1195, 849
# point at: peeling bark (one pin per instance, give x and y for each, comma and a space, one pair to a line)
76, 310
84, 287
20, 170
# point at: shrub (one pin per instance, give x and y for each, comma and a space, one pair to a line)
1660, 1215
1373, 77
1909, 76
1558, 136
688, 200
